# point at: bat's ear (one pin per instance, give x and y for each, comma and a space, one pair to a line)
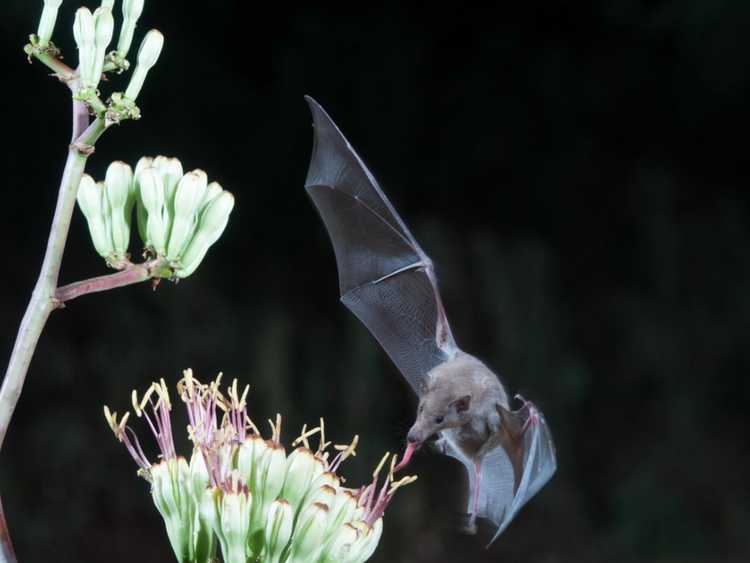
462, 403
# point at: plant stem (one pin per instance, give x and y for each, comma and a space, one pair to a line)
61, 70
7, 555
133, 273
43, 301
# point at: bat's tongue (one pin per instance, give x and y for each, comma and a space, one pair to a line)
410, 449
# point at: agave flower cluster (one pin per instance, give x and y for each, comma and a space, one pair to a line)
93, 33
243, 493
179, 215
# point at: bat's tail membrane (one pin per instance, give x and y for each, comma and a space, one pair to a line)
503, 492
539, 465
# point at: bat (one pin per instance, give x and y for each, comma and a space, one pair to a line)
389, 283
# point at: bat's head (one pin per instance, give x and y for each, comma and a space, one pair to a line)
439, 409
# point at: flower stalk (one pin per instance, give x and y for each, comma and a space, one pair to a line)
93, 32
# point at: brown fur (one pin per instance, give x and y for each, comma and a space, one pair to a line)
466, 394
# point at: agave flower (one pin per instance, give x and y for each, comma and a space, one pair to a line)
243, 493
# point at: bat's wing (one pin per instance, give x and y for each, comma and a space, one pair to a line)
385, 278
521, 461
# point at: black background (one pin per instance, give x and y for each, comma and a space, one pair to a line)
578, 172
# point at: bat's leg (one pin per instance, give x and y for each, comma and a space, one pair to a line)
471, 528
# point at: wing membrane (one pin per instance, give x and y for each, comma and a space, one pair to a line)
385, 278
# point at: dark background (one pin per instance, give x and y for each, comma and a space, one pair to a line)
578, 172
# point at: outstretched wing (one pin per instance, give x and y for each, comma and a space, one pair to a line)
385, 278
520, 462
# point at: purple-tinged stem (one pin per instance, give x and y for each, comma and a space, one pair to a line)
42, 301
133, 273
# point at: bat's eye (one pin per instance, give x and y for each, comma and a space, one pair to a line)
439, 419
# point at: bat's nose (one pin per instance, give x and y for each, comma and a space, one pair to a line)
414, 437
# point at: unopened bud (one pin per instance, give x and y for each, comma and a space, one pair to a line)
309, 533
84, 32
118, 184
131, 11
278, 529
190, 193
152, 200
47, 21
148, 54
213, 221
92, 204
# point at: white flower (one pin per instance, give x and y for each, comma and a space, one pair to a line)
242, 491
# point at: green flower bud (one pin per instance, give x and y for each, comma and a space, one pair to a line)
171, 173
170, 489
91, 200
367, 541
47, 21
131, 11
152, 200
339, 546
198, 473
84, 32
190, 193
278, 530
249, 454
343, 508
268, 481
204, 539
309, 533
148, 54
211, 225
143, 163
104, 25
234, 525
214, 190
301, 468
321, 495
118, 182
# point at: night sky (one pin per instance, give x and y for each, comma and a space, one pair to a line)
576, 170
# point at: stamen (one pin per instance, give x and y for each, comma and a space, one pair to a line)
401, 483
139, 406
124, 420
244, 397
134, 400
189, 382
322, 445
380, 466
344, 452
111, 418
305, 435
165, 393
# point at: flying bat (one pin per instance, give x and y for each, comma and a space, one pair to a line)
389, 283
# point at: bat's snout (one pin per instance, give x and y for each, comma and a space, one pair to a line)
415, 437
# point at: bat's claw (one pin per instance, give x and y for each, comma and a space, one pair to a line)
532, 417
468, 524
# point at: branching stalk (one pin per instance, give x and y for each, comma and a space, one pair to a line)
133, 273
43, 300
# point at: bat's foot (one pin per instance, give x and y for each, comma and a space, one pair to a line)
467, 524
532, 416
